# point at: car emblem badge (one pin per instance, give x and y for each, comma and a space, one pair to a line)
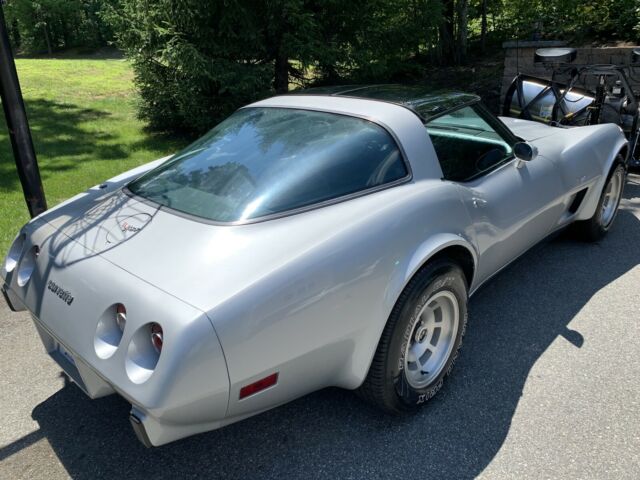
127, 227
120, 229
64, 295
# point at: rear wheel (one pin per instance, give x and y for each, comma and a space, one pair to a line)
597, 226
421, 340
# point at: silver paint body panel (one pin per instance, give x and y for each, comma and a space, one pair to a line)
305, 295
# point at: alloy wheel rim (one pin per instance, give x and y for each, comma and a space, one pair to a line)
432, 339
611, 199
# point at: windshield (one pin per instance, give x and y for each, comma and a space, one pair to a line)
263, 161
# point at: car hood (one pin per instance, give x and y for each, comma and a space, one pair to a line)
529, 130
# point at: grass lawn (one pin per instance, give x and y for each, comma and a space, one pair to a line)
84, 126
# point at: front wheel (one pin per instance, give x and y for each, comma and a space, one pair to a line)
597, 226
420, 342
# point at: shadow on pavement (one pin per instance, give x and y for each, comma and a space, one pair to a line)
331, 433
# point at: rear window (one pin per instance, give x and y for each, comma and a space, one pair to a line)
265, 161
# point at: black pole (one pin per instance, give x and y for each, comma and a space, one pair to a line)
18, 125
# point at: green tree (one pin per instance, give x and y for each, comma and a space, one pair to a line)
49, 25
194, 62
572, 20
288, 31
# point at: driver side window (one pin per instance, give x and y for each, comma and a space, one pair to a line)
466, 145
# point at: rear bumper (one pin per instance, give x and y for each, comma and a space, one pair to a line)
184, 392
74, 366
150, 429
72, 293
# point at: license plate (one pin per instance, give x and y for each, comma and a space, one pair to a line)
65, 353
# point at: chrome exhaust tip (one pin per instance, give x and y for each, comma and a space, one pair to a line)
138, 428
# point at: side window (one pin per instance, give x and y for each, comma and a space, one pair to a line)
466, 145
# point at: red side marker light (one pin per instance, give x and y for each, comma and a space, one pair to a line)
121, 316
156, 337
258, 386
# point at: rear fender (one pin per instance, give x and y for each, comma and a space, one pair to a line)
420, 257
429, 249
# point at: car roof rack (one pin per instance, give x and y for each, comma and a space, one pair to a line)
555, 55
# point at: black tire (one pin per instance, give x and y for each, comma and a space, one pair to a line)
596, 227
387, 385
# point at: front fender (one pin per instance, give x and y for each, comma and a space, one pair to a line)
617, 143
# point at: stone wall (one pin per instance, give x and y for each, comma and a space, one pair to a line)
519, 57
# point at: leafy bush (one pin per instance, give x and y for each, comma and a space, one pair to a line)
572, 20
194, 62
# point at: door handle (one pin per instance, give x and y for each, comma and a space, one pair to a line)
478, 202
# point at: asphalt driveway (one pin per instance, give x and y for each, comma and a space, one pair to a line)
547, 386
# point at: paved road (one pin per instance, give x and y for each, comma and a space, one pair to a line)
548, 386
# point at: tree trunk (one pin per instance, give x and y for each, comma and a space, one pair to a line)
446, 32
65, 34
15, 34
418, 37
47, 38
463, 10
281, 81
483, 27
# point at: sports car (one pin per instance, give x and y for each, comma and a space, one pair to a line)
330, 237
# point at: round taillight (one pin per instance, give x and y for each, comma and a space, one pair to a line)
27, 265
156, 337
121, 316
14, 253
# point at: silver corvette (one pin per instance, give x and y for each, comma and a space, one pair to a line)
327, 238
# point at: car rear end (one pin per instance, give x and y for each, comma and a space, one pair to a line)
112, 332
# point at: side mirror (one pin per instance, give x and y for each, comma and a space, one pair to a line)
524, 152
